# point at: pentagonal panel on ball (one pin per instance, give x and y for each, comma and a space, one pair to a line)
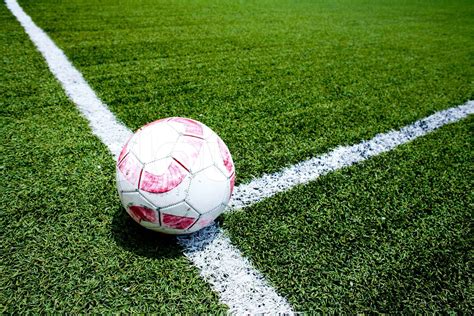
180, 216
139, 208
153, 142
208, 189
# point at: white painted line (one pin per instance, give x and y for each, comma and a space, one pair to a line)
102, 122
239, 285
343, 156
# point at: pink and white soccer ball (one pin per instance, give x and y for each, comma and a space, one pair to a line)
175, 176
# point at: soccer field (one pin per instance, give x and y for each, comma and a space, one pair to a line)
280, 82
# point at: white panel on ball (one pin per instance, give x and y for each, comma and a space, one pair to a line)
180, 209
217, 155
158, 167
123, 185
178, 217
187, 150
152, 226
207, 218
209, 188
162, 176
156, 141
133, 199
207, 132
171, 197
204, 159
129, 169
186, 126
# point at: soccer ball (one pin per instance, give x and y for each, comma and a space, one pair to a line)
175, 176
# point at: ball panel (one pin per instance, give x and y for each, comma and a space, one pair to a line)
207, 218
141, 213
232, 184
177, 222
125, 150
153, 226
154, 142
208, 189
204, 159
207, 132
179, 216
139, 208
174, 196
225, 155
186, 126
131, 169
124, 185
162, 176
187, 150
180, 209
218, 156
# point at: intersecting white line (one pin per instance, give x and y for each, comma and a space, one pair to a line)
238, 283
343, 156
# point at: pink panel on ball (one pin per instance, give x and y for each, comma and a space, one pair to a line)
178, 222
193, 128
124, 151
203, 222
131, 168
187, 151
141, 213
229, 165
165, 182
232, 184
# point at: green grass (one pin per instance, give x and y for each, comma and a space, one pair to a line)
280, 81
391, 234
67, 245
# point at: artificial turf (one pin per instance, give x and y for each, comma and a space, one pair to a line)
280, 81
391, 234
67, 244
